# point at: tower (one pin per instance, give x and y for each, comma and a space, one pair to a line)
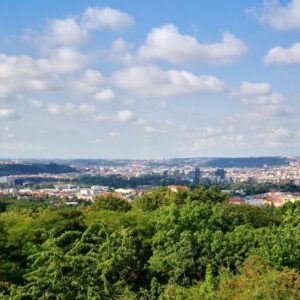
197, 175
220, 173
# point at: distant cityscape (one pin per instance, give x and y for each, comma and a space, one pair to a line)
82, 180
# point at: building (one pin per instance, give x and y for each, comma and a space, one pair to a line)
15, 181
237, 201
197, 175
3, 180
176, 188
220, 173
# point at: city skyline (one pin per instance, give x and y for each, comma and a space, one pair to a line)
108, 79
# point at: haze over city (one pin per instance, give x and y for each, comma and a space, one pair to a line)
149, 79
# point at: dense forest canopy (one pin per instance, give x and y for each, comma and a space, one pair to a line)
118, 181
36, 168
164, 245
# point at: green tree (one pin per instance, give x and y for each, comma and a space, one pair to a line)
258, 281
95, 264
153, 199
111, 202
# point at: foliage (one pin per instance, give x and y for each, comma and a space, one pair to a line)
153, 199
36, 168
111, 202
257, 280
118, 181
165, 245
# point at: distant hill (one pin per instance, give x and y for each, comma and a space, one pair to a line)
215, 162
20, 169
246, 162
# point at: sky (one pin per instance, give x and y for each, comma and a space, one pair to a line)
149, 79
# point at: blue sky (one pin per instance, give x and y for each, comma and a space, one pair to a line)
149, 79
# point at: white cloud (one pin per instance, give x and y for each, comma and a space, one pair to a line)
6, 133
71, 109
66, 32
284, 56
24, 74
141, 122
216, 135
276, 133
279, 17
123, 52
105, 95
89, 82
257, 93
125, 116
8, 113
114, 134
98, 18
166, 43
261, 101
150, 129
64, 60
151, 81
247, 89
75, 31
275, 136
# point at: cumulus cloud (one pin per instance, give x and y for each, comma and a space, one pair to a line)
168, 44
275, 136
278, 16
257, 93
249, 89
21, 74
150, 129
6, 133
8, 113
60, 32
105, 95
75, 31
152, 81
125, 116
64, 60
262, 101
216, 135
71, 109
284, 56
59, 61
98, 18
122, 51
91, 83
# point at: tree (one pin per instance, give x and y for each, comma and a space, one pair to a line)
111, 202
211, 195
95, 264
153, 199
257, 280
181, 242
